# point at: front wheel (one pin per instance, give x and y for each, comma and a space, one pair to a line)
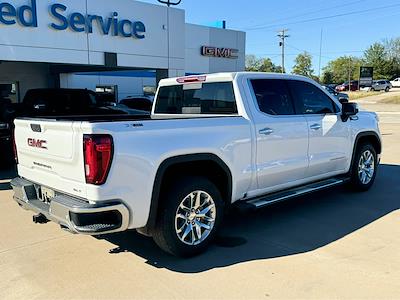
364, 168
189, 217
387, 89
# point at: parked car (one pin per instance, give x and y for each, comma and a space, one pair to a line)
213, 142
139, 103
6, 116
345, 86
381, 85
395, 83
340, 96
5, 144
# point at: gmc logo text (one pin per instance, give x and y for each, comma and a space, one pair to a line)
37, 143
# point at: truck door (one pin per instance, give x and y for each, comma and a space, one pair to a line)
282, 136
329, 143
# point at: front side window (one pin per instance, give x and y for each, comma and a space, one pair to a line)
273, 96
209, 98
311, 100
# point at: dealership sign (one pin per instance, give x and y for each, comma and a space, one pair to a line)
366, 76
219, 52
26, 16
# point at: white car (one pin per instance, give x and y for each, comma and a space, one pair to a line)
211, 142
396, 83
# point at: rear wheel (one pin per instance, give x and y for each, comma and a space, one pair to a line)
387, 89
189, 218
364, 168
372, 90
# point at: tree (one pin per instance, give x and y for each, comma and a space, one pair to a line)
344, 67
392, 48
327, 77
254, 64
268, 66
376, 56
303, 65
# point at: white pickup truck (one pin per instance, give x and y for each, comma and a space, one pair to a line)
212, 141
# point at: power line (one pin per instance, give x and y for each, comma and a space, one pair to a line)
325, 17
313, 53
304, 14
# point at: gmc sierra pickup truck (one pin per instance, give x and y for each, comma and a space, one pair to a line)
211, 142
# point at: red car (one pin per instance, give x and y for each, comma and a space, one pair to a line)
345, 86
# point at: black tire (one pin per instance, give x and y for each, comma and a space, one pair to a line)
372, 90
165, 234
356, 182
387, 89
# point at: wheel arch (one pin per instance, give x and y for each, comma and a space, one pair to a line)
363, 137
196, 164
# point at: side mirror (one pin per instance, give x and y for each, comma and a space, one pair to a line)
343, 100
348, 110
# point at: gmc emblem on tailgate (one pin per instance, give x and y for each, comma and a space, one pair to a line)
37, 143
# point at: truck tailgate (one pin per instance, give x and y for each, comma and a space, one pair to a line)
51, 153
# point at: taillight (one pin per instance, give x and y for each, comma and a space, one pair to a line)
14, 146
98, 151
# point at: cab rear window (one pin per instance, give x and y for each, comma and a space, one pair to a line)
207, 98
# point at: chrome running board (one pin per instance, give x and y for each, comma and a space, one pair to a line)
270, 199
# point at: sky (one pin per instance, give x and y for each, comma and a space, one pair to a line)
348, 27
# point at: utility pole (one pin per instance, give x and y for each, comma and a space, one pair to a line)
282, 35
320, 55
350, 67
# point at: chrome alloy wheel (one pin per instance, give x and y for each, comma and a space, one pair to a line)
366, 167
195, 218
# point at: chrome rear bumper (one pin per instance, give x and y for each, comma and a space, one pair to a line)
73, 214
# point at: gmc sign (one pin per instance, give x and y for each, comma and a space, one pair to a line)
219, 52
37, 143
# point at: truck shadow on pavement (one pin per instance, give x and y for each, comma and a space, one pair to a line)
5, 186
290, 228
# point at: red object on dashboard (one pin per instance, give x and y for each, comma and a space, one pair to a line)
98, 151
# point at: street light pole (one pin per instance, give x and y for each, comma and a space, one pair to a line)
169, 2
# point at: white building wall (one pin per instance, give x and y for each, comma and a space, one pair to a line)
45, 44
168, 45
198, 36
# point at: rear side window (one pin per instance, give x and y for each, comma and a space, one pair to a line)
311, 100
211, 98
273, 97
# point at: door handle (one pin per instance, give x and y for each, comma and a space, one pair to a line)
315, 127
266, 131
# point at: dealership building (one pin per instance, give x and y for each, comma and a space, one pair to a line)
123, 46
